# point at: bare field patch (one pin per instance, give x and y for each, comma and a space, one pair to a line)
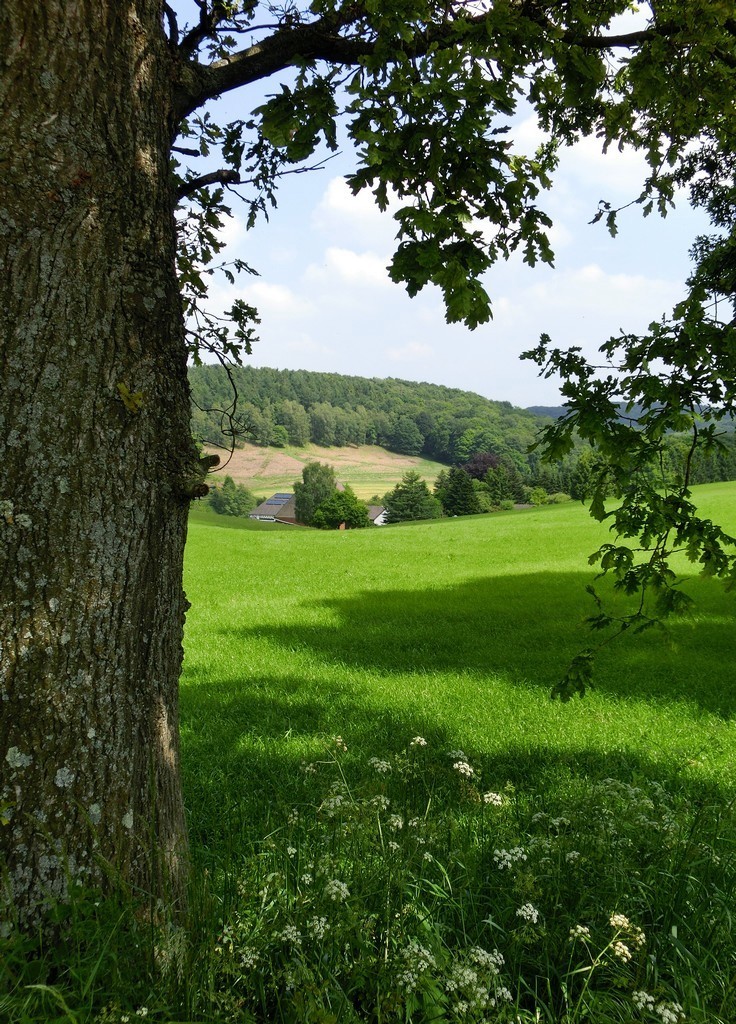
368, 469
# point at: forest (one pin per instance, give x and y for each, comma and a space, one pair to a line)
276, 408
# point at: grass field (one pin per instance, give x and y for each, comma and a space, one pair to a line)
369, 470
390, 821
455, 631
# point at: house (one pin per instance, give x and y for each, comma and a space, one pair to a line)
377, 514
279, 508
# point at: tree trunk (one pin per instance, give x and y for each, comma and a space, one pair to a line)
96, 451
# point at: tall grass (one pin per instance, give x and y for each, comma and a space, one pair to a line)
390, 819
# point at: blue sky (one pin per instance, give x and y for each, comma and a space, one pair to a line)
326, 301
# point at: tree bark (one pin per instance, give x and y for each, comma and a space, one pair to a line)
96, 454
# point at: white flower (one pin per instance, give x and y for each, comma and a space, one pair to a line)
249, 957
142, 1012
619, 921
492, 961
464, 769
332, 804
493, 798
502, 995
669, 1013
621, 951
395, 822
393, 846
306, 878
572, 856
381, 766
580, 931
291, 935
309, 769
528, 912
317, 926
340, 743
418, 741
506, 858
336, 890
291, 850
458, 755
381, 802
642, 1000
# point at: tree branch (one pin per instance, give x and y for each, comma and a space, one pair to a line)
221, 177
321, 41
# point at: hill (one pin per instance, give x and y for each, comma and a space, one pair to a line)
296, 407
370, 470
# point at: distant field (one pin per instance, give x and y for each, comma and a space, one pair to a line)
368, 469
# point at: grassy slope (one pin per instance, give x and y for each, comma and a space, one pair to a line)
455, 630
368, 469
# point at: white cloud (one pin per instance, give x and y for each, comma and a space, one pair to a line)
276, 300
412, 352
361, 269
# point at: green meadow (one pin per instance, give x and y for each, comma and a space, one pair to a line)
390, 820
455, 629
328, 672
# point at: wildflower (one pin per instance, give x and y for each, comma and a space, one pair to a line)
293, 816
340, 743
291, 850
309, 769
621, 951
580, 931
528, 912
464, 769
417, 960
381, 802
306, 878
491, 961
142, 1011
414, 822
395, 822
669, 1013
427, 856
493, 798
381, 766
571, 856
418, 741
393, 847
249, 957
620, 921
317, 926
332, 804
292, 935
336, 890
458, 755
506, 858
642, 1000
502, 995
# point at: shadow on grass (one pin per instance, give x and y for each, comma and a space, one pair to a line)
245, 737
244, 753
525, 628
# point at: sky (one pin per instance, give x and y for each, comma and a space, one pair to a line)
326, 301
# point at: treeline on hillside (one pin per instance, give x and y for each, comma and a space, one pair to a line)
280, 407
